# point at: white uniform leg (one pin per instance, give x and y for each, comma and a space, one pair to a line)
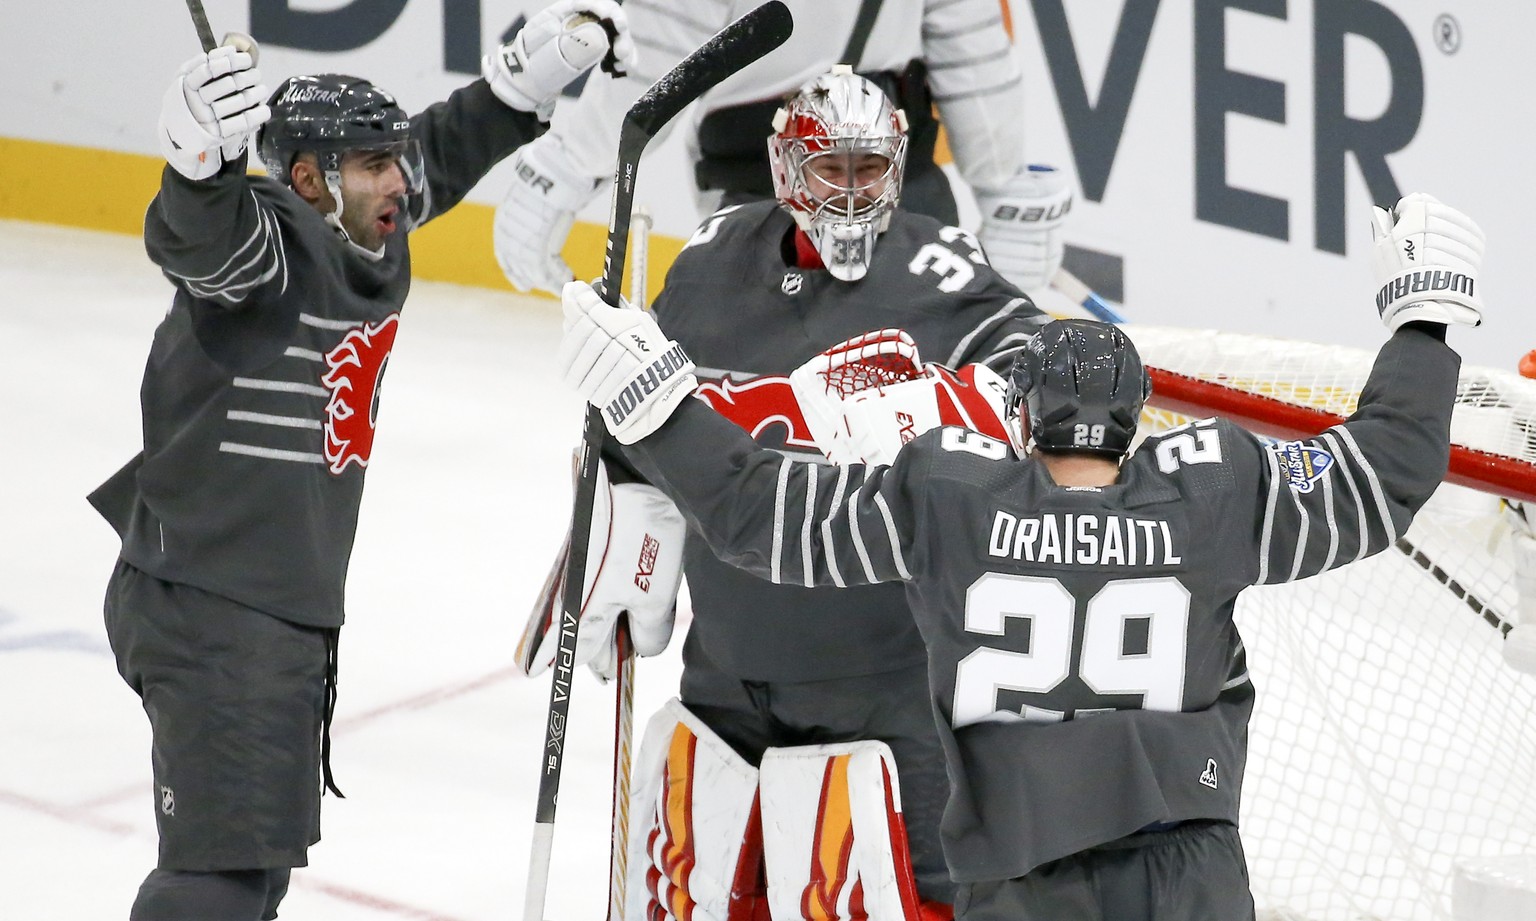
834, 842
694, 838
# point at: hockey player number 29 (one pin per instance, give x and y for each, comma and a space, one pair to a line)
1134, 642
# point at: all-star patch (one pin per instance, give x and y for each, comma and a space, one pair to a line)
1303, 464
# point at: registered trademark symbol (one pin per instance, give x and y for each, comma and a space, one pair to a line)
1447, 33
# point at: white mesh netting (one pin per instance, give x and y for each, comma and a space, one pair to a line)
1390, 740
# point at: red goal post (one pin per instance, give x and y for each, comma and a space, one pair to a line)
1391, 747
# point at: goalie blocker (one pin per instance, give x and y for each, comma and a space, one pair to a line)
635, 565
815, 832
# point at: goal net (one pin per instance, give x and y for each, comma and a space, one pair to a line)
1391, 742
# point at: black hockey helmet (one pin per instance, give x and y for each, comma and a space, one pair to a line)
1082, 385
328, 114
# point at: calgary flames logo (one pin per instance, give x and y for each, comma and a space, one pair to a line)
355, 367
759, 403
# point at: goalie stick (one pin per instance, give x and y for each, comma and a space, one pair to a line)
624, 654
731, 49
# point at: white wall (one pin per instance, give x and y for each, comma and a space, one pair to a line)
91, 73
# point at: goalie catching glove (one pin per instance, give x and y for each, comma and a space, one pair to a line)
634, 567
619, 361
865, 397
555, 47
1426, 257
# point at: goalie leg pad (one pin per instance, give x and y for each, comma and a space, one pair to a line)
834, 843
694, 839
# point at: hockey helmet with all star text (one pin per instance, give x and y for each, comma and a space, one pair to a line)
837, 154
331, 114
1080, 385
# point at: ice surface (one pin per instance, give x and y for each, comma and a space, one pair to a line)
436, 741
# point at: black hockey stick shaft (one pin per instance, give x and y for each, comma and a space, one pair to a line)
200, 21
732, 48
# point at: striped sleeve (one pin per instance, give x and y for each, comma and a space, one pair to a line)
790, 521
1324, 506
221, 240
978, 87
256, 261
1353, 490
998, 334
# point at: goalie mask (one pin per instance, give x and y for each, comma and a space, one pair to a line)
331, 115
837, 152
1082, 385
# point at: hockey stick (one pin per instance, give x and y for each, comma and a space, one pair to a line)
624, 714
200, 22
731, 49
205, 37
1074, 288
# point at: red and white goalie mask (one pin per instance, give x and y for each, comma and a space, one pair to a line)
837, 152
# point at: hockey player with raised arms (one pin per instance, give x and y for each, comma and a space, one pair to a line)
1091, 689
760, 290
237, 518
941, 61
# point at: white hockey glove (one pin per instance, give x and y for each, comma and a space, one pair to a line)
1021, 225
1427, 257
534, 219
554, 47
865, 397
634, 567
212, 107
618, 359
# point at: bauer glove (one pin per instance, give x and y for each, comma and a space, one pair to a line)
534, 219
1021, 225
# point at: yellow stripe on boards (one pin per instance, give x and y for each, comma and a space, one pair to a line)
110, 190
76, 186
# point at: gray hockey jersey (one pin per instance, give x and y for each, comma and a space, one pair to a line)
1084, 665
748, 318
259, 396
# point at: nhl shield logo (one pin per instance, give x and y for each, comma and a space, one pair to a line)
167, 800
792, 282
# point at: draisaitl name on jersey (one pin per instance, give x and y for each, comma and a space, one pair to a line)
1083, 540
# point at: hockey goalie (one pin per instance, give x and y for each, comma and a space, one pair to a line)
796, 832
